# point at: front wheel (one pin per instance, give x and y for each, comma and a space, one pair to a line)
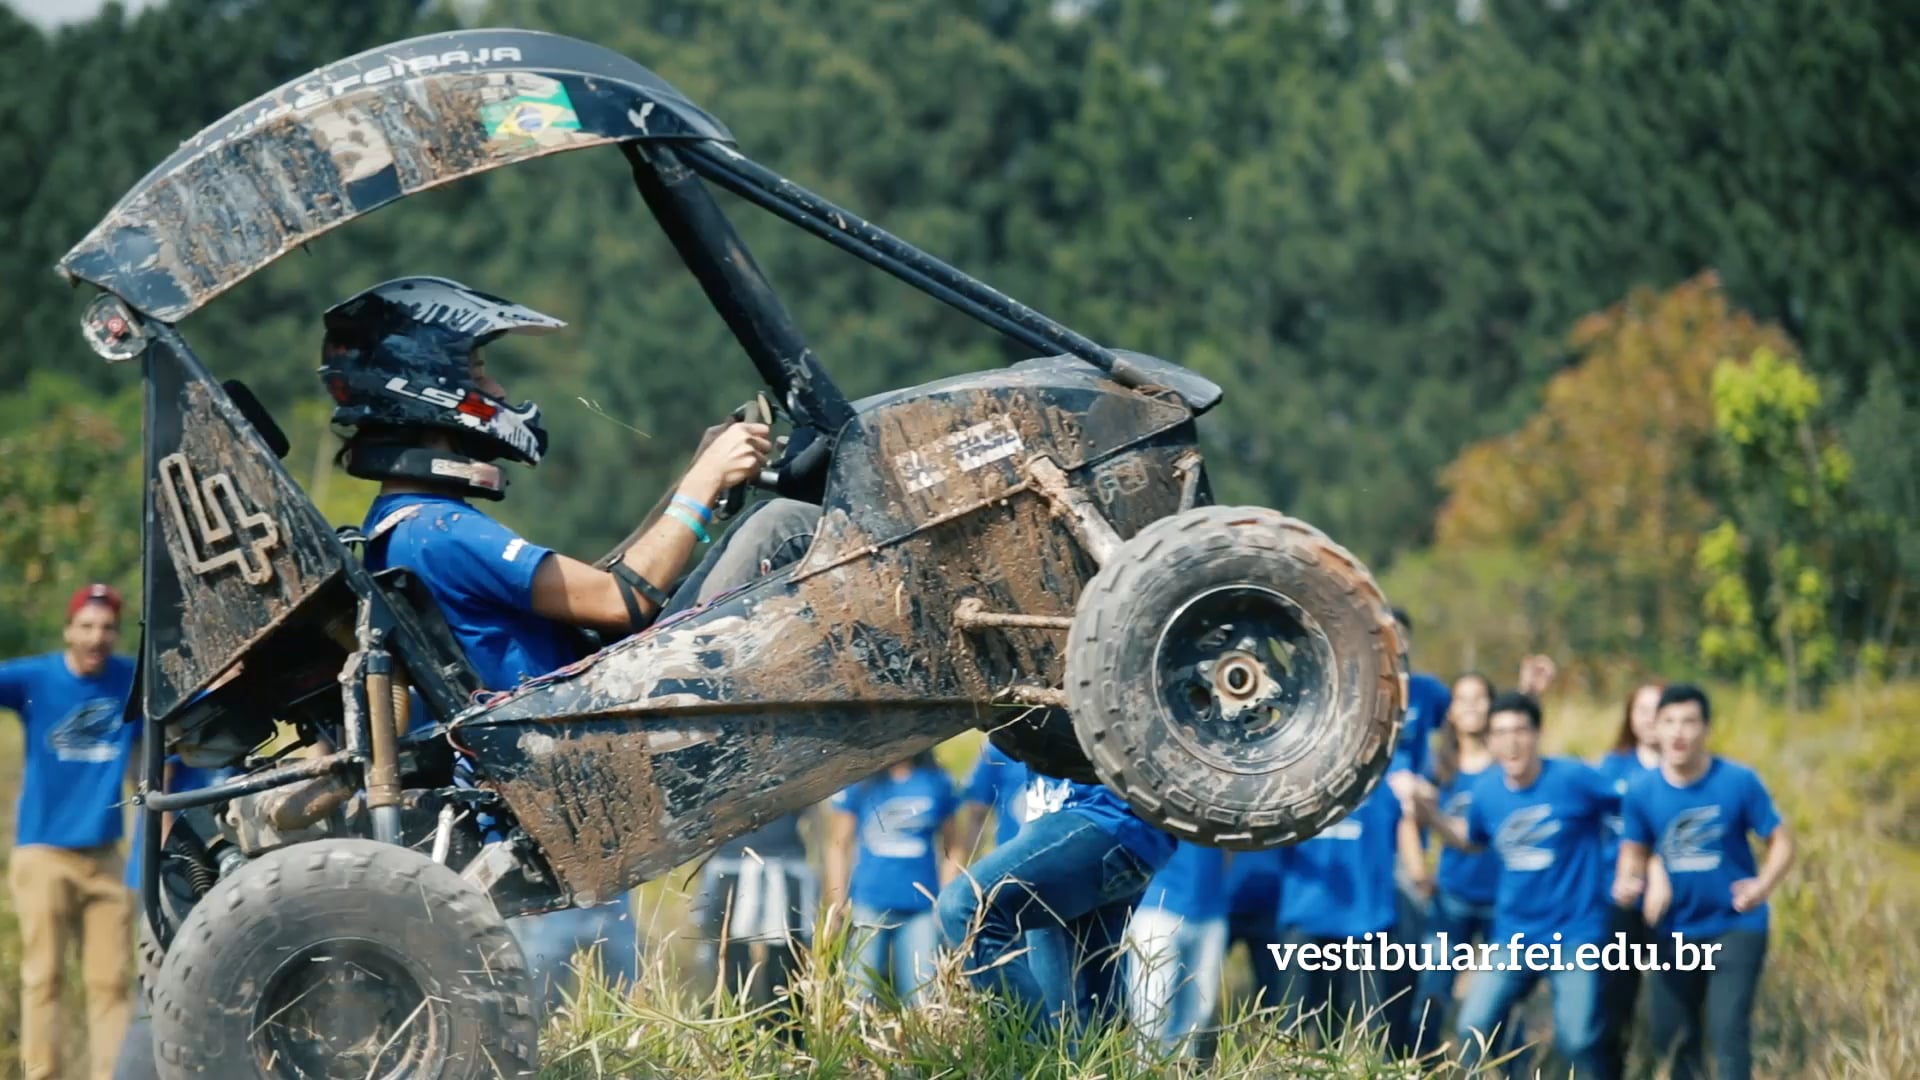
1236, 677
344, 958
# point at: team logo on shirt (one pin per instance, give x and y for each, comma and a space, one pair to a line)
90, 733
209, 539
1458, 804
1691, 842
1522, 838
1045, 797
897, 828
1347, 829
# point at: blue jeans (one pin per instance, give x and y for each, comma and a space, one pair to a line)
1463, 922
896, 951
550, 942
1576, 1013
1067, 885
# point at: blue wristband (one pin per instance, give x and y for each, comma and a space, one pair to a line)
705, 512
687, 519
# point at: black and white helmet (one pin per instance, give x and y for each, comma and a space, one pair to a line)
399, 355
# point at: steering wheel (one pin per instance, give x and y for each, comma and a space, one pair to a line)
761, 410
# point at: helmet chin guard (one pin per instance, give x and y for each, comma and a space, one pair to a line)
400, 355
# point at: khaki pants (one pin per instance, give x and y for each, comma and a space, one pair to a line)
60, 895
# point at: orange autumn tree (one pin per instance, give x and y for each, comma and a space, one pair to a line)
1609, 486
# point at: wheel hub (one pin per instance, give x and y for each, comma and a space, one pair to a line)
346, 1008
1237, 666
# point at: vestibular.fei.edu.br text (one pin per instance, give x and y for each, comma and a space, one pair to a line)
1374, 952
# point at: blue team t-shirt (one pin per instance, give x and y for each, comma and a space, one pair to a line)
897, 835
1428, 700
1339, 884
77, 749
481, 574
1700, 833
1000, 782
1191, 885
1472, 876
1548, 837
1098, 804
1253, 882
1620, 768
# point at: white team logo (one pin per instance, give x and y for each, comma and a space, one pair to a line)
1691, 842
89, 733
1347, 829
1522, 838
1045, 797
897, 826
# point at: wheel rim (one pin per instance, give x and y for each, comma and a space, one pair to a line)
1237, 670
346, 1009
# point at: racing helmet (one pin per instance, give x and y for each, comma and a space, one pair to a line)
399, 356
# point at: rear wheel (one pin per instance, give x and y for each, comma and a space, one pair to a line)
344, 958
1236, 677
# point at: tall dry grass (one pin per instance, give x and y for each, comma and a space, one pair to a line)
1840, 997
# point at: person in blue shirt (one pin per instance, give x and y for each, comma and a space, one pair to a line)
997, 784
1176, 946
1460, 908
65, 868
1337, 901
1696, 813
1545, 818
897, 831
1636, 750
403, 362
1253, 917
1064, 887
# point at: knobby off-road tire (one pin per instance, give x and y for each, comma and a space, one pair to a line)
1236, 677
344, 958
1043, 740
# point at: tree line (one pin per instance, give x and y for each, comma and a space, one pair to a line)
1589, 318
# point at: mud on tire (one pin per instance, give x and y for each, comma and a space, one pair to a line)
339, 958
1236, 677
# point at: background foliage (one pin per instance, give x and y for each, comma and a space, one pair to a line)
1486, 281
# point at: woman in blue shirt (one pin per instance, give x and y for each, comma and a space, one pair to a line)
899, 832
1636, 750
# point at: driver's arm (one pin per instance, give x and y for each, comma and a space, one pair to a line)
570, 591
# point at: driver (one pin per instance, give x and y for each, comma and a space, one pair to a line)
403, 363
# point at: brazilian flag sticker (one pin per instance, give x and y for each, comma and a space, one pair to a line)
528, 116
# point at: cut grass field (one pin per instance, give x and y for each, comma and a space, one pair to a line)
1840, 997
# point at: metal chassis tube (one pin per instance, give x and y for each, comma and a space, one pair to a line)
851, 233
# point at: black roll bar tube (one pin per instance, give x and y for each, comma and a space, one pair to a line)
739, 291
851, 233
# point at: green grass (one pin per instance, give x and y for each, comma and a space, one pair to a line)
1840, 997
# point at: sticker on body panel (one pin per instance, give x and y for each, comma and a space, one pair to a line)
970, 448
539, 109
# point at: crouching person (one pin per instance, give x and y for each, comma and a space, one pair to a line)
1066, 884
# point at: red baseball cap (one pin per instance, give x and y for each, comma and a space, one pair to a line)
95, 593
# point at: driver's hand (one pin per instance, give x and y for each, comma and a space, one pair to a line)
735, 456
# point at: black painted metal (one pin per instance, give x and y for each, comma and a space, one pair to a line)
713, 251
250, 784
848, 231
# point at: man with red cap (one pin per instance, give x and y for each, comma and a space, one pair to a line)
66, 865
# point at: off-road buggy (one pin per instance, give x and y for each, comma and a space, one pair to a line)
1033, 551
